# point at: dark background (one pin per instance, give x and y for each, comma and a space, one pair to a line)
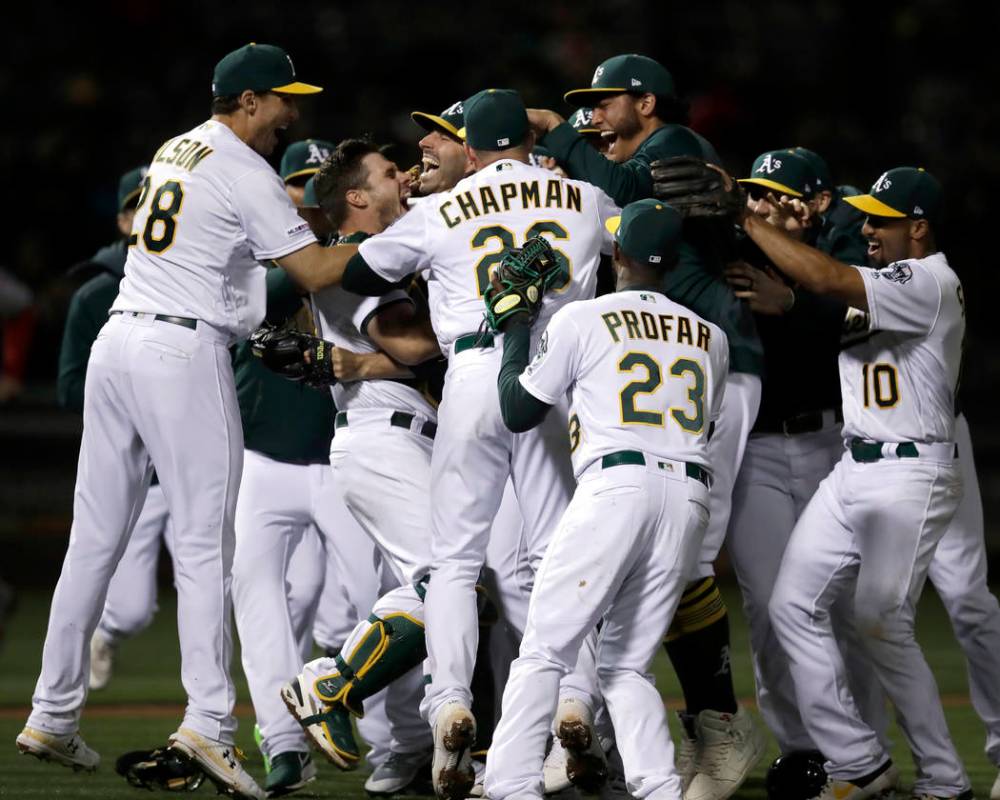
90, 91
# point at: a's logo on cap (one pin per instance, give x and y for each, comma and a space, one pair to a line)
882, 183
503, 142
582, 117
654, 259
454, 109
317, 154
769, 164
636, 82
597, 74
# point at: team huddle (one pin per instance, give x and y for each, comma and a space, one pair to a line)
480, 430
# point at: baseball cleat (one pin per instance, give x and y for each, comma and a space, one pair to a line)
397, 773
69, 750
102, 661
995, 791
289, 772
452, 772
586, 766
221, 763
554, 775
327, 728
727, 747
687, 750
879, 784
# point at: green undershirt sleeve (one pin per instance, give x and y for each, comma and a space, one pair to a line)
362, 279
521, 410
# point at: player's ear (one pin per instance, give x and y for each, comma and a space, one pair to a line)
356, 198
248, 101
919, 229
823, 200
470, 156
646, 105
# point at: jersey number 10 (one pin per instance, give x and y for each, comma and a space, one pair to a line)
880, 383
161, 224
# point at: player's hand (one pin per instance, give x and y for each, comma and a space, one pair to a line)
789, 214
764, 290
542, 120
347, 365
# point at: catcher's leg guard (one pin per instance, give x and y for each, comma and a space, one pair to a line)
387, 649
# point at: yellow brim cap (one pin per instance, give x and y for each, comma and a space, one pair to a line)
580, 97
292, 176
298, 88
780, 187
437, 122
613, 223
874, 207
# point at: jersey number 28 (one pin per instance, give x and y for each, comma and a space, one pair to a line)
691, 419
161, 224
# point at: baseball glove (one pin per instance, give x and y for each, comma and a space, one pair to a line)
294, 355
697, 190
520, 281
163, 768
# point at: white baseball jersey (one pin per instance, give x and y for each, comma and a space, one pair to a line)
342, 318
461, 234
898, 382
642, 373
210, 209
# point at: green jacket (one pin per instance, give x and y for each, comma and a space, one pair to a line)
282, 419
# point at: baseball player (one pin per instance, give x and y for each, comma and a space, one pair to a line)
131, 600
636, 106
300, 161
160, 393
624, 546
795, 443
443, 162
870, 531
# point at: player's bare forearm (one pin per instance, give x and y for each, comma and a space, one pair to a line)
807, 266
406, 336
350, 366
314, 267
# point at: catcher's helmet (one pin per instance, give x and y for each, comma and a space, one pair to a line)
796, 776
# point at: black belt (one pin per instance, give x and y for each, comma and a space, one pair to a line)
808, 422
634, 457
184, 322
399, 419
473, 340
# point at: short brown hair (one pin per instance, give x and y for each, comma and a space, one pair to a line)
340, 172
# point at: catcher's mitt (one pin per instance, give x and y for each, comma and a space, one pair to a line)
294, 355
163, 768
520, 281
697, 190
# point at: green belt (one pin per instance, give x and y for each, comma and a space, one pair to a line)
634, 457
868, 452
184, 322
399, 419
473, 340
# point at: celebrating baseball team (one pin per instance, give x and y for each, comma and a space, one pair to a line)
479, 431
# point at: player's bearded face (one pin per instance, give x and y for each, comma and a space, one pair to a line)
273, 112
888, 240
444, 163
620, 126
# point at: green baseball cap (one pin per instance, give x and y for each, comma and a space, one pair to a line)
647, 231
309, 199
582, 121
129, 186
302, 159
824, 180
625, 73
902, 192
450, 121
784, 172
495, 119
260, 68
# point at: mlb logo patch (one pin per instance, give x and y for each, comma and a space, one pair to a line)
655, 259
503, 142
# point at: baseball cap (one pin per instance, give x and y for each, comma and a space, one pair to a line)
449, 121
129, 186
902, 192
647, 231
582, 121
824, 180
260, 68
495, 119
309, 199
784, 172
304, 158
625, 73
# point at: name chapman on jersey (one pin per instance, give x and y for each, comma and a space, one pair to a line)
522, 194
185, 153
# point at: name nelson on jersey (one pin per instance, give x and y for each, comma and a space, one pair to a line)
523, 194
185, 153
657, 327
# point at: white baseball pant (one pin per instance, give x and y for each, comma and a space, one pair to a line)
157, 394
869, 533
622, 552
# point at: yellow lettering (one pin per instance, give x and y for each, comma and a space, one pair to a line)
613, 321
704, 336
684, 331
631, 324
449, 221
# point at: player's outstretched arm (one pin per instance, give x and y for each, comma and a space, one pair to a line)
315, 267
807, 266
350, 366
407, 338
521, 410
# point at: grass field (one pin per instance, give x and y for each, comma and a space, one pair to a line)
142, 707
